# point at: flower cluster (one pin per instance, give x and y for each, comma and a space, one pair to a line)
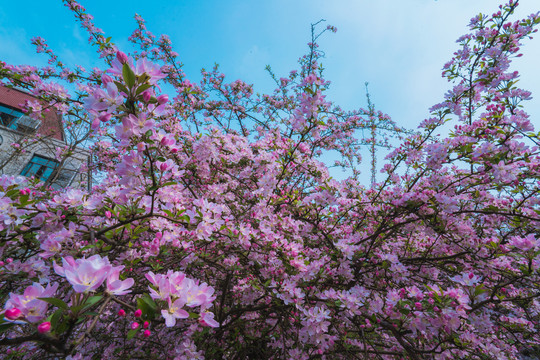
179, 291
89, 274
217, 232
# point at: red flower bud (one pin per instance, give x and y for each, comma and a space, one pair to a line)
44, 327
13, 314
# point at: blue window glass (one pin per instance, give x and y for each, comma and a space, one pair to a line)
40, 167
9, 117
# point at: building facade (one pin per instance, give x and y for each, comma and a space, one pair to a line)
36, 147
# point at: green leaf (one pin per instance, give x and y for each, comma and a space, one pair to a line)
91, 301
56, 302
12, 193
193, 315
55, 317
404, 311
90, 313
121, 87
139, 229
149, 301
131, 334
5, 327
129, 75
62, 327
23, 200
479, 289
142, 88
148, 306
168, 212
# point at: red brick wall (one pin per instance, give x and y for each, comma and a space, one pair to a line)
51, 124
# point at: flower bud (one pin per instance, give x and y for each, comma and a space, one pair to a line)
146, 325
138, 313
146, 96
105, 79
44, 327
121, 312
104, 117
13, 314
162, 99
146, 333
134, 325
121, 57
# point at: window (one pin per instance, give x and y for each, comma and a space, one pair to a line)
45, 168
64, 178
40, 167
16, 120
9, 117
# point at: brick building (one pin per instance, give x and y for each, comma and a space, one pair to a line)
29, 146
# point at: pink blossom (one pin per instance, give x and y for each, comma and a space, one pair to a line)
32, 308
115, 286
86, 274
161, 282
207, 319
467, 279
197, 295
174, 312
144, 66
525, 243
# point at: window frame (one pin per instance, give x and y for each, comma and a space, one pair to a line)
16, 113
44, 164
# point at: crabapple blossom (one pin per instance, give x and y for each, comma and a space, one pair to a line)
84, 274
174, 311
217, 223
33, 309
116, 286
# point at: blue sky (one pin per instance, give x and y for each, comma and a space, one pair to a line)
398, 46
